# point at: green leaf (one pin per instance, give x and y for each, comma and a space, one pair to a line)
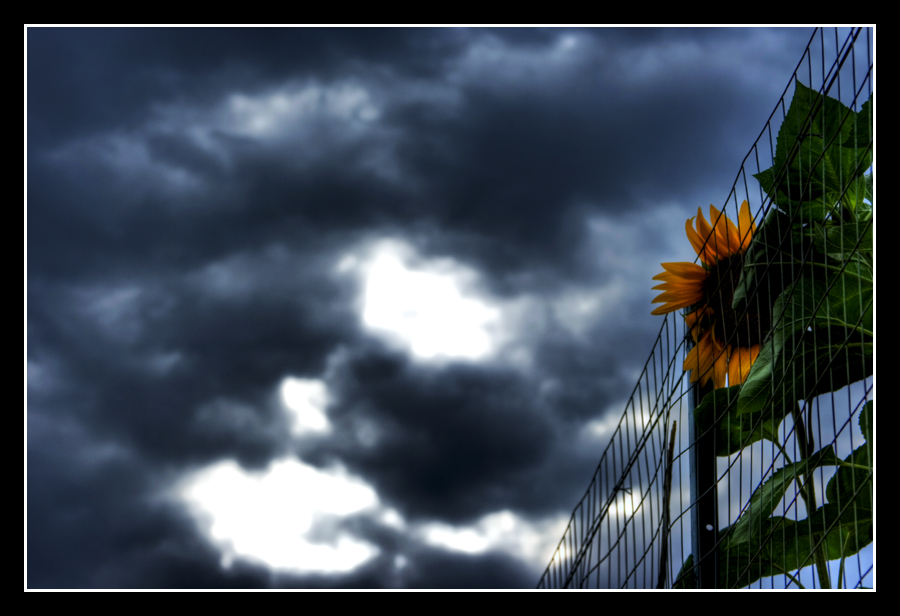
744, 563
849, 529
853, 483
842, 304
827, 128
804, 370
819, 364
785, 546
822, 341
718, 410
793, 192
782, 547
775, 552
857, 192
862, 132
770, 493
865, 422
758, 388
842, 241
864, 209
821, 148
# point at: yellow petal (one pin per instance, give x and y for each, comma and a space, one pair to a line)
686, 270
707, 239
703, 227
673, 279
678, 286
676, 296
747, 358
746, 226
725, 229
700, 360
735, 374
673, 306
693, 238
692, 363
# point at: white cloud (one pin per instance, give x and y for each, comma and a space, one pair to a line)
306, 400
503, 530
431, 308
436, 308
269, 517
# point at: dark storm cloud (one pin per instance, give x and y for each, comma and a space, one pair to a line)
179, 351
515, 159
181, 263
112, 77
454, 443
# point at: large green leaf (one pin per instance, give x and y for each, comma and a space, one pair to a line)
775, 551
718, 411
770, 493
822, 340
821, 148
849, 530
842, 304
842, 241
862, 131
809, 365
829, 132
782, 547
759, 386
857, 192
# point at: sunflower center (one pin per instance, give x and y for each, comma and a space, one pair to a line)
742, 330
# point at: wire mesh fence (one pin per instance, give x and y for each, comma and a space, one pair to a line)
744, 456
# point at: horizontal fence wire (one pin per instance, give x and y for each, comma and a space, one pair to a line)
632, 528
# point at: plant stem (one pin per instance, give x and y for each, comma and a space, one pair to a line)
808, 492
843, 557
852, 465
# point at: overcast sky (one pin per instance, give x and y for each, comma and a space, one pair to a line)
352, 308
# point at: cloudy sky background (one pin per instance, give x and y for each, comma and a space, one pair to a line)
352, 308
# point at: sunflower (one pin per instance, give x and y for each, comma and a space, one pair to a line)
726, 343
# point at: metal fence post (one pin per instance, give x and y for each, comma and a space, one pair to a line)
704, 513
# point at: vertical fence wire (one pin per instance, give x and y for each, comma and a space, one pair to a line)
632, 528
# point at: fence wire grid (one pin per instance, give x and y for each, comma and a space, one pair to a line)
663, 491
